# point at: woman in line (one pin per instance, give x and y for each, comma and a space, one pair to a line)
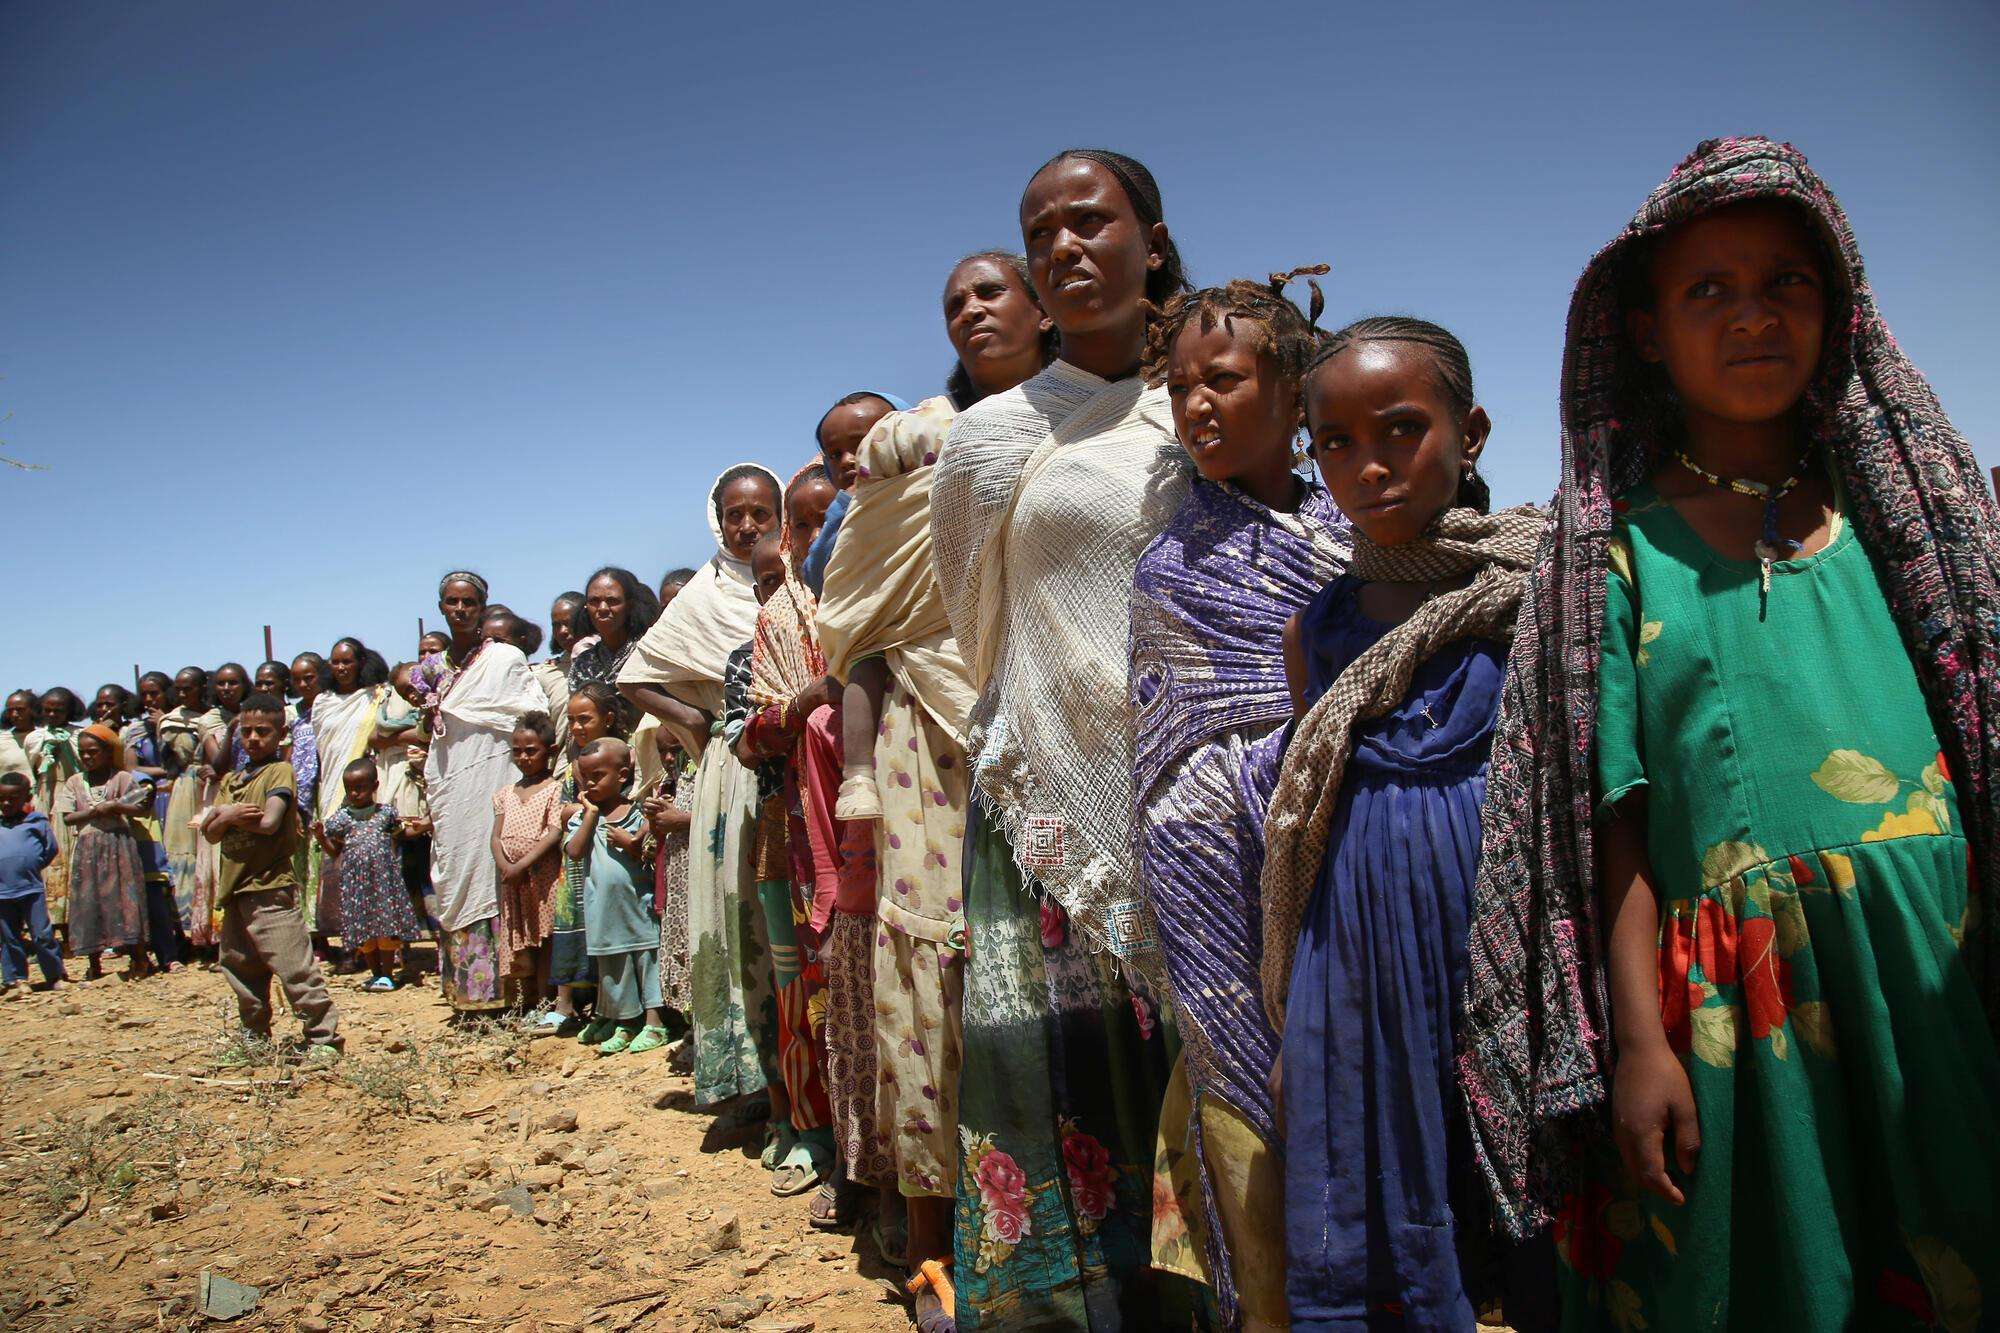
1065, 1063
107, 883
676, 674
146, 758
883, 616
342, 726
52, 754
1210, 599
179, 733
474, 694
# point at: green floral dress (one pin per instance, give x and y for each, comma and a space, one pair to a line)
1805, 842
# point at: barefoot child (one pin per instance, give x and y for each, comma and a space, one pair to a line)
527, 825
608, 836
1373, 835
27, 845
107, 879
375, 906
1790, 560
254, 826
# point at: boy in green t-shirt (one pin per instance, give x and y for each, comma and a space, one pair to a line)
255, 821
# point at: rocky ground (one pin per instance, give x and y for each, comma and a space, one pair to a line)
440, 1177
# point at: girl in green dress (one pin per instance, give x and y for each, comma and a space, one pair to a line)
1786, 555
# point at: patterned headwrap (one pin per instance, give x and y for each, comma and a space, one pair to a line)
1534, 1056
464, 576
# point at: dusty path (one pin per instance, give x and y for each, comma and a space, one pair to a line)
383, 1193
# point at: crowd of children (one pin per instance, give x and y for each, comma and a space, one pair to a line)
1149, 882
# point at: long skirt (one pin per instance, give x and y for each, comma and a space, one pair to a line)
1059, 1103
469, 967
670, 888
733, 1010
570, 963
183, 845
796, 977
850, 1049
107, 891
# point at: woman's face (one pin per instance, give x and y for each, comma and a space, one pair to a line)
1088, 253
152, 694
345, 664
188, 688
273, 680
561, 632
433, 643
605, 600
21, 710
994, 324
106, 706
463, 606
306, 679
230, 687
55, 710
749, 510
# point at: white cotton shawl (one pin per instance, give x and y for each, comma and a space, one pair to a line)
688, 647
881, 593
341, 724
1043, 500
470, 761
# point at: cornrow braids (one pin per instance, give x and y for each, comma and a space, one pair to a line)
1143, 193
1291, 338
1450, 364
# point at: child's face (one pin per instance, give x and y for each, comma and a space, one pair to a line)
405, 691
21, 710
187, 690
230, 687
305, 679
105, 707
260, 734
602, 778
808, 503
605, 600
767, 569
94, 753
840, 437
1739, 312
1232, 413
531, 753
55, 711
272, 681
749, 510
359, 786
13, 802
1389, 446
497, 627
587, 721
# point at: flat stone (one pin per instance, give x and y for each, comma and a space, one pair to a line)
557, 1122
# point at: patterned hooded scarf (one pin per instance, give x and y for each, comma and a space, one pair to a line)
1534, 1053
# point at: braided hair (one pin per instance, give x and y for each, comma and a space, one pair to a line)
1291, 338
1143, 193
1450, 365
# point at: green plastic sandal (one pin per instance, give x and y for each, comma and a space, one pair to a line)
650, 1038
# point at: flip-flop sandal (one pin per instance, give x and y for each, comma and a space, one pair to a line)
826, 1213
889, 1241
779, 1141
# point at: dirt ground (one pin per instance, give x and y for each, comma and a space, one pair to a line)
440, 1177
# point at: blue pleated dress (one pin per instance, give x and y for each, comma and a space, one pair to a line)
1377, 1155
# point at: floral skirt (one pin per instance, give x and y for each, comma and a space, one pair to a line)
919, 1049
850, 1048
798, 976
671, 900
732, 1007
1059, 1105
469, 966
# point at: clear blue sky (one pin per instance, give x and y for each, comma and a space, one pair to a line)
304, 304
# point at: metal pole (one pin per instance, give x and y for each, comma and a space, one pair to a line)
135, 678
267, 643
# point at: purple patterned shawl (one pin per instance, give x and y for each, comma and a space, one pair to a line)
1534, 1054
1210, 598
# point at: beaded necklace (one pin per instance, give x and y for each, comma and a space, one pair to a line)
1771, 546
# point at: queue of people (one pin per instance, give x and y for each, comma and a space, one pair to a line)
1157, 849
